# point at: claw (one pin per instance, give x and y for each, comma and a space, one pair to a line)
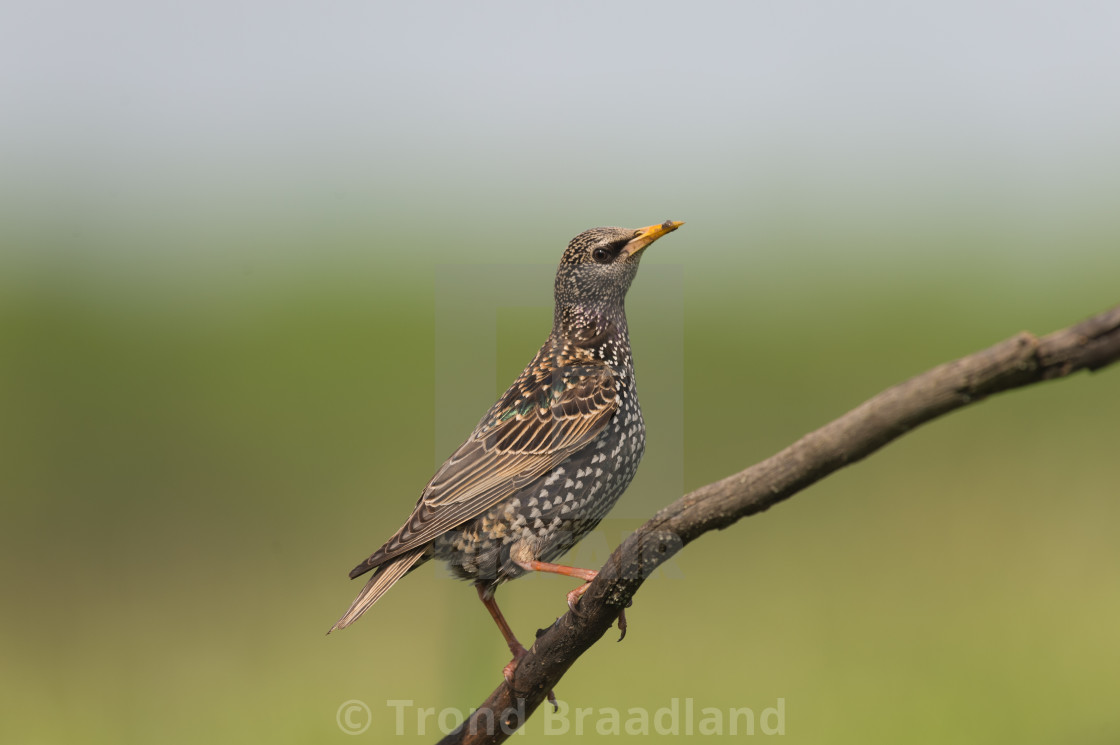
507, 671
573, 600
574, 596
511, 667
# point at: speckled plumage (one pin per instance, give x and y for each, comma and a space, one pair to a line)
553, 455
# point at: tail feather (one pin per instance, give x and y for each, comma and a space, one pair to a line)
385, 577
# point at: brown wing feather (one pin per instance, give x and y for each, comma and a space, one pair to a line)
379, 584
534, 427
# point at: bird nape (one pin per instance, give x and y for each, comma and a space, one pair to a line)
550, 458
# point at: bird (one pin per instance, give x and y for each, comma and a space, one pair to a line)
549, 459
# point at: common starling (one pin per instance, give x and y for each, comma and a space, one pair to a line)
550, 458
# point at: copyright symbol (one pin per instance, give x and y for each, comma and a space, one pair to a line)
353, 717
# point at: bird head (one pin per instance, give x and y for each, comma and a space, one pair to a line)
599, 265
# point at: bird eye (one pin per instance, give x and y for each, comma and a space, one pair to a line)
601, 255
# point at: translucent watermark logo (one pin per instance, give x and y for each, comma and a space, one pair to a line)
353, 717
681, 716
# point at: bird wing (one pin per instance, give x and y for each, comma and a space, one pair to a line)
542, 419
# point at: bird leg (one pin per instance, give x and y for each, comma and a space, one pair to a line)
518, 651
486, 595
573, 597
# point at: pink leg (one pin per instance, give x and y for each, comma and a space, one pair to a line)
515, 647
573, 597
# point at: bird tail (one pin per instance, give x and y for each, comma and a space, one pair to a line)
385, 577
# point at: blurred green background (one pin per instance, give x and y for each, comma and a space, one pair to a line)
262, 268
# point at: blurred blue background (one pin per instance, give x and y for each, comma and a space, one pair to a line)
231, 233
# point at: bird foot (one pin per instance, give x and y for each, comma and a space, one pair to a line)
576, 594
508, 671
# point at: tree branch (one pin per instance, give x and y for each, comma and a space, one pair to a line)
1019, 361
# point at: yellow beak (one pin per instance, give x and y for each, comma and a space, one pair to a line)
648, 235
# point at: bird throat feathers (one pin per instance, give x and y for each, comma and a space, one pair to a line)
586, 329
